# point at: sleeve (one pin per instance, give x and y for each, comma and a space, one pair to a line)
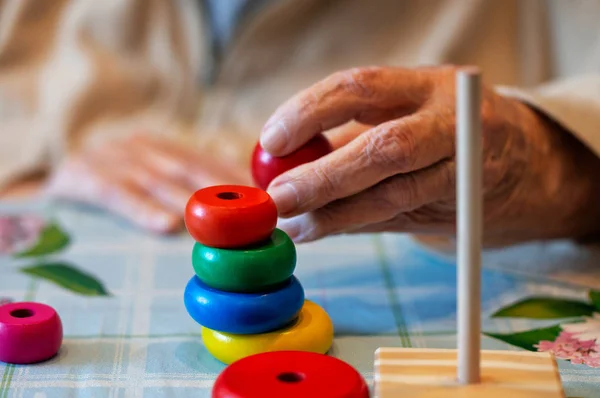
76, 72
574, 103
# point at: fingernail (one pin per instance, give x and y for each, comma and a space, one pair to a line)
285, 197
273, 138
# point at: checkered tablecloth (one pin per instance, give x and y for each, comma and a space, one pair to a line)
380, 290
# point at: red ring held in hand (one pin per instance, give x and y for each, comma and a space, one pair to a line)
266, 167
29, 333
290, 374
230, 216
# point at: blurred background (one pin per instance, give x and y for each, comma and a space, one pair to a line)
130, 105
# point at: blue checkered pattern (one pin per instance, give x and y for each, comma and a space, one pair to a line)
382, 290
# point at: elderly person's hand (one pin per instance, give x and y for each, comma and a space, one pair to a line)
399, 175
144, 179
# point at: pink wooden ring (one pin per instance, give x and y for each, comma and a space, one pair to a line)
29, 332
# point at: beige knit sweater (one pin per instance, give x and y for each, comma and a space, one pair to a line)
73, 72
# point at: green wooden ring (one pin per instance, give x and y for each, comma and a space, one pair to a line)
249, 269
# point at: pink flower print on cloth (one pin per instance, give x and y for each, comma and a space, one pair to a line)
18, 231
577, 342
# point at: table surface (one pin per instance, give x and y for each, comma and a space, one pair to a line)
380, 290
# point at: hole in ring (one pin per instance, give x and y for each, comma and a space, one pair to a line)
229, 195
21, 313
290, 377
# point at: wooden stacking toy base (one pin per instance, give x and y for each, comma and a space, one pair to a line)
431, 373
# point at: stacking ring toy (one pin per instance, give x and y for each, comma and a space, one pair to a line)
230, 216
243, 313
312, 332
29, 332
290, 374
246, 270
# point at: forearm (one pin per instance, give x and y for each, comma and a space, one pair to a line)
568, 116
572, 103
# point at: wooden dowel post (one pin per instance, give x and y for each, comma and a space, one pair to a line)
469, 223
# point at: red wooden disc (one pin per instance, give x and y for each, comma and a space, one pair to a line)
230, 216
290, 374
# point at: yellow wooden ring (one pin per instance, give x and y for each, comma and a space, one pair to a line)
312, 331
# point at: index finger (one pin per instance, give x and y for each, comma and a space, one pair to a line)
400, 146
357, 94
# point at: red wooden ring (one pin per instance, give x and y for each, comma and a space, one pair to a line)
29, 332
266, 167
230, 216
290, 374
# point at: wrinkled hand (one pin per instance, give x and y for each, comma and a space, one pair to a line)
399, 175
144, 179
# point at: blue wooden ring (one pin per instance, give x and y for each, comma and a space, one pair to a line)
243, 313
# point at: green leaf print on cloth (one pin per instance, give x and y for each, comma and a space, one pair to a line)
68, 277
576, 339
545, 308
29, 236
51, 240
